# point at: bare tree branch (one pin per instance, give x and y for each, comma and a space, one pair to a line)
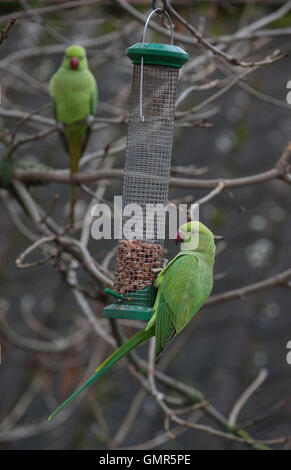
4, 32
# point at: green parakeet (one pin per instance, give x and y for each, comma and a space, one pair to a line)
74, 92
183, 287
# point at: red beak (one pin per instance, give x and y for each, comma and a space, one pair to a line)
178, 238
74, 63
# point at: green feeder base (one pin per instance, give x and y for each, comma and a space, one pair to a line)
131, 312
135, 305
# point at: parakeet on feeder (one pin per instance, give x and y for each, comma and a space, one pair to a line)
146, 173
183, 287
74, 93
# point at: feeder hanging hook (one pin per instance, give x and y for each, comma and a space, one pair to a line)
148, 20
160, 10
157, 10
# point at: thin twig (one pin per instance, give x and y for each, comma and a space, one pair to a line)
246, 395
218, 52
4, 32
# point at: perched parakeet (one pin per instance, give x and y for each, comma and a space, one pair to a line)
183, 287
74, 92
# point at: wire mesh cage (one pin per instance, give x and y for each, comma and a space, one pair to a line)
146, 176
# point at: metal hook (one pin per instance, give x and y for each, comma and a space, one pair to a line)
148, 20
157, 10
161, 10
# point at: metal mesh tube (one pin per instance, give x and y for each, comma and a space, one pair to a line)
149, 146
147, 174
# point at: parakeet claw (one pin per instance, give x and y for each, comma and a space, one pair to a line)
157, 270
60, 127
90, 120
165, 262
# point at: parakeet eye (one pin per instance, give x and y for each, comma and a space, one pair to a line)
74, 63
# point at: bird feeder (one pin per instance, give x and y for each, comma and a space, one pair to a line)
147, 172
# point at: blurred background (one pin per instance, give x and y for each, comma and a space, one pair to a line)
241, 129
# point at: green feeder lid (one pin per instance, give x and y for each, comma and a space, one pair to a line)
157, 54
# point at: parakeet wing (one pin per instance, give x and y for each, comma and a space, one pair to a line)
94, 100
165, 329
61, 134
182, 292
93, 109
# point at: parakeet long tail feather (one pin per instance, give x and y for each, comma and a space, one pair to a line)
72, 203
137, 339
75, 152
